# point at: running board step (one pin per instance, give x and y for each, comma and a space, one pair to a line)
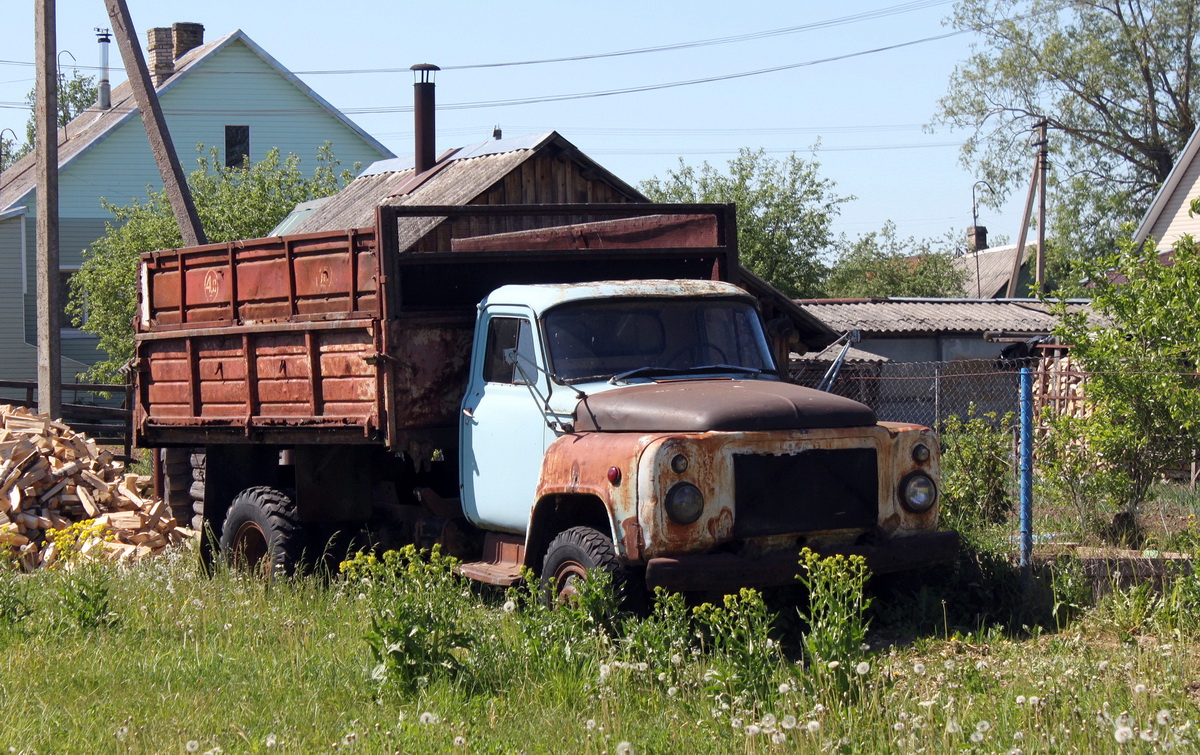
503, 558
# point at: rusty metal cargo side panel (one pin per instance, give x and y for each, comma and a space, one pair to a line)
244, 381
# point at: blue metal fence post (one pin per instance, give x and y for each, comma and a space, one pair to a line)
1026, 466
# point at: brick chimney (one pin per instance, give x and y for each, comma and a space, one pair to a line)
186, 36
977, 238
160, 54
165, 46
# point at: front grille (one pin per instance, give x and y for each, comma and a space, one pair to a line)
821, 489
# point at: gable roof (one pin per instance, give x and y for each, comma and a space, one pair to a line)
459, 176
93, 125
1172, 198
989, 270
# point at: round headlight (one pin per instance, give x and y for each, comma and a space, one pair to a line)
918, 493
920, 453
685, 503
679, 464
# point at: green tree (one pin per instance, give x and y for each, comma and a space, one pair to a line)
1115, 80
233, 203
784, 212
1141, 349
879, 264
75, 94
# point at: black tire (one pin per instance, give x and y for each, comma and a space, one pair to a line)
576, 551
177, 479
262, 533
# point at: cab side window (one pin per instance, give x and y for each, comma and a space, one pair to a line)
509, 333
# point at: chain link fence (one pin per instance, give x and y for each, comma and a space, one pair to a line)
926, 393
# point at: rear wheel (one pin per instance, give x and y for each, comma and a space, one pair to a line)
576, 551
262, 532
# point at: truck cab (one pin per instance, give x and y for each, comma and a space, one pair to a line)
643, 427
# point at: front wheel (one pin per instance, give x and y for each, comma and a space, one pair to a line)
576, 551
262, 532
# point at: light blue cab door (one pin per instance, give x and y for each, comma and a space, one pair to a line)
503, 429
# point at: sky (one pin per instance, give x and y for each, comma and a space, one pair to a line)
838, 95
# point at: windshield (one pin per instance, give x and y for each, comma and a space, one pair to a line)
598, 339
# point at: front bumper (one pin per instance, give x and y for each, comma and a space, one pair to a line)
727, 572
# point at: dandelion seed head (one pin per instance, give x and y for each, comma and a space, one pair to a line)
1139, 689
832, 665
778, 737
1102, 666
509, 606
121, 732
589, 724
460, 741
949, 664
1034, 700
1146, 735
624, 748
676, 659
952, 727
977, 737
672, 691
919, 669
1123, 734
863, 668
429, 718
785, 688
788, 722
271, 740
1163, 717
898, 726
192, 746
753, 730
813, 726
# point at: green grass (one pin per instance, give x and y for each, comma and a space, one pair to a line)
184, 662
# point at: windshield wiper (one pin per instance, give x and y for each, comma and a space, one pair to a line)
698, 370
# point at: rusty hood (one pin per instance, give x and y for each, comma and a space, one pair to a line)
729, 405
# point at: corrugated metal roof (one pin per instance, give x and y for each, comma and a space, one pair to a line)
913, 316
828, 355
93, 125
988, 270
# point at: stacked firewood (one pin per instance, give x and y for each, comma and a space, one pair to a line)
52, 478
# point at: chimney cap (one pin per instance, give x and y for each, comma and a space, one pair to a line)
425, 67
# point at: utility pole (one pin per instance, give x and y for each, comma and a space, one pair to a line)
49, 306
1043, 168
174, 182
1039, 177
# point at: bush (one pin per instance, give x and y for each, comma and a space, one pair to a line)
977, 469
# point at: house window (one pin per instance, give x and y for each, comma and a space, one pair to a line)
237, 146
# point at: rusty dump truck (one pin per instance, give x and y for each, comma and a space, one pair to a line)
559, 387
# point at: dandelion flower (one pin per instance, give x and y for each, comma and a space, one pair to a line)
460, 741
624, 748
1146, 735
121, 732
1163, 717
1102, 666
977, 737
813, 726
949, 664
919, 669
768, 721
662, 676
509, 606
735, 723
429, 718
898, 726
753, 730
1139, 689
271, 740
788, 722
672, 691
1034, 701
863, 668
1123, 734
778, 738
642, 666
589, 724
676, 659
192, 746
983, 726
785, 688
952, 727
980, 665
833, 665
